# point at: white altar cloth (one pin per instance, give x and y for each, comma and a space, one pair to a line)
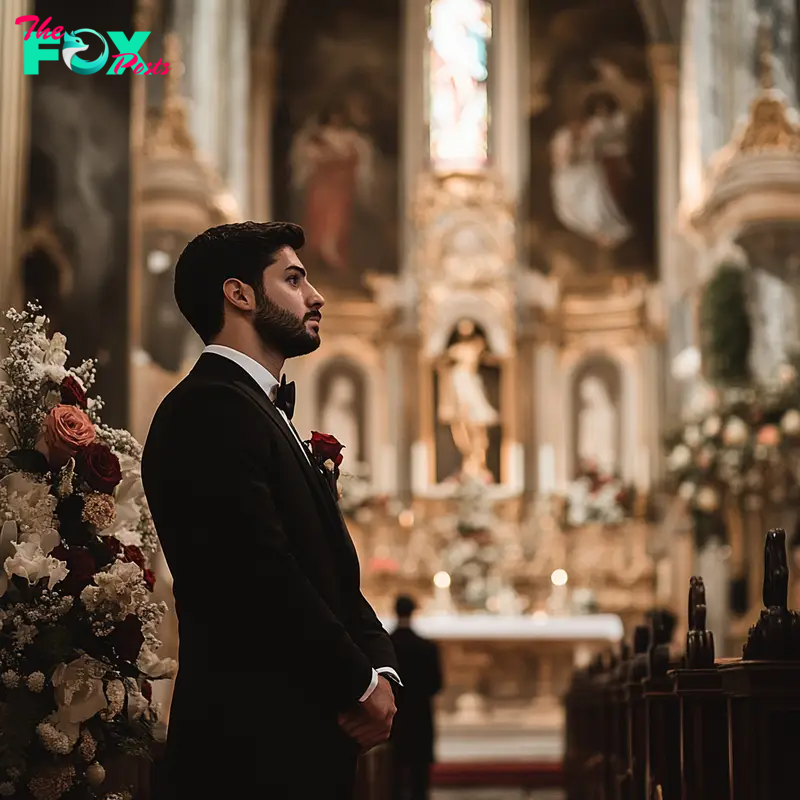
524, 627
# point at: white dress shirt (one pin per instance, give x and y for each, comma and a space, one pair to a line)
269, 384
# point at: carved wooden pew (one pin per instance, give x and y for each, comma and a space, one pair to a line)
374, 778
763, 691
703, 709
662, 719
633, 781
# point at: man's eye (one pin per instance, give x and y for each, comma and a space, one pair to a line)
294, 280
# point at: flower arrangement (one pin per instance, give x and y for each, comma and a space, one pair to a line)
78, 644
596, 496
743, 441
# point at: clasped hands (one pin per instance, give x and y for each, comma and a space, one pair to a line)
371, 722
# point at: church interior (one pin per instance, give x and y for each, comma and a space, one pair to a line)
558, 242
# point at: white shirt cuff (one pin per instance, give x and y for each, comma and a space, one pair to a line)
391, 673
373, 684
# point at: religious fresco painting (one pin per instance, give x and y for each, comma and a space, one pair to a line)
591, 193
336, 135
468, 429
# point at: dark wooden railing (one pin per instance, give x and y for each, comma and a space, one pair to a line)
641, 728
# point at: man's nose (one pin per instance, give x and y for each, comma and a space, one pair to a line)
315, 299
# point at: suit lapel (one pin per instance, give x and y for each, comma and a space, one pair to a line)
218, 367
312, 473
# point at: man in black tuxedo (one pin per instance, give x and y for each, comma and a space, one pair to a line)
278, 687
413, 734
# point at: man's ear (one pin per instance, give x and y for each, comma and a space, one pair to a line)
239, 294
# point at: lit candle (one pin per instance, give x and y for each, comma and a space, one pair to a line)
442, 599
643, 470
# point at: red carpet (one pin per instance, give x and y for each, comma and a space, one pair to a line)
528, 775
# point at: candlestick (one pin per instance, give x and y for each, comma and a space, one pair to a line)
547, 469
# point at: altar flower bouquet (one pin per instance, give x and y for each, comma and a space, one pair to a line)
596, 496
746, 441
78, 643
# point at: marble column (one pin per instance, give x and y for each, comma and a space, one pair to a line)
14, 121
664, 67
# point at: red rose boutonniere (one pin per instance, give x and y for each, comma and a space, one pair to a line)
326, 450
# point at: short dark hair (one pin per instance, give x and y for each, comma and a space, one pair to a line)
240, 250
404, 606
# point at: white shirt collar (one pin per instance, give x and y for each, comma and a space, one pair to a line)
259, 373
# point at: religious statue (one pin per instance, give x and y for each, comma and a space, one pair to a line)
590, 170
463, 402
340, 417
597, 426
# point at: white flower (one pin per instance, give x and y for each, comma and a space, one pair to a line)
30, 503
56, 353
36, 681
79, 693
128, 496
735, 432
153, 666
55, 740
7, 789
707, 499
137, 703
712, 426
121, 586
7, 442
30, 562
10, 679
686, 490
790, 423
692, 436
679, 458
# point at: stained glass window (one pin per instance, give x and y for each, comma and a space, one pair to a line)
459, 34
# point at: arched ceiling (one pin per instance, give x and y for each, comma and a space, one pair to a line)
663, 19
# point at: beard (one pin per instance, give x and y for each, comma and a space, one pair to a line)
281, 329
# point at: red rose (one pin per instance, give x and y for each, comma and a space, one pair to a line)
324, 447
127, 638
150, 579
72, 393
130, 552
81, 566
113, 545
99, 467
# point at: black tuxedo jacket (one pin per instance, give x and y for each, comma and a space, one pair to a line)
413, 734
275, 635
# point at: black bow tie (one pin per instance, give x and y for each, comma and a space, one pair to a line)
285, 396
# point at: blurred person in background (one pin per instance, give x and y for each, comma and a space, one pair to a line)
413, 733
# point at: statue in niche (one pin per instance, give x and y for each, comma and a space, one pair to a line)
463, 400
339, 414
597, 426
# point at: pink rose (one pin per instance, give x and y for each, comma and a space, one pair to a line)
66, 430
